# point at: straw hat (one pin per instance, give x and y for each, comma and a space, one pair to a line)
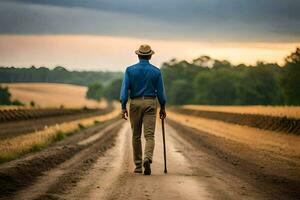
144, 50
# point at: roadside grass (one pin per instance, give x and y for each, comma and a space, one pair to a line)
59, 136
81, 127
14, 148
8, 156
97, 122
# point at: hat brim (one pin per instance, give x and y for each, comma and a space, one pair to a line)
144, 54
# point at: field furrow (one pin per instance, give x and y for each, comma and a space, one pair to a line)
267, 122
20, 173
35, 120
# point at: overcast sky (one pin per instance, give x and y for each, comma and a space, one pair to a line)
175, 22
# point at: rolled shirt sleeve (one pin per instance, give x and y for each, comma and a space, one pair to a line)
124, 90
161, 91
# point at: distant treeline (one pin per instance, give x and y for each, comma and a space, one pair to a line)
111, 91
56, 75
218, 82
203, 81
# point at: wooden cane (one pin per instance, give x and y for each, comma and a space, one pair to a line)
164, 144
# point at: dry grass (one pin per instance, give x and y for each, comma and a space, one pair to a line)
280, 111
15, 147
283, 144
52, 95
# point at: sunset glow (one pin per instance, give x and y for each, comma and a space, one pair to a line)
114, 53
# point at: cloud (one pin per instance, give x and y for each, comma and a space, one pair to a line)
201, 20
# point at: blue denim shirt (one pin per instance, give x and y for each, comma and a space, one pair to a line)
143, 79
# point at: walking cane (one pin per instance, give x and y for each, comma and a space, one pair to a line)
164, 144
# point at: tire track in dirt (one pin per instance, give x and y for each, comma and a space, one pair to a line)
189, 176
197, 169
61, 179
200, 166
179, 183
103, 177
275, 177
18, 174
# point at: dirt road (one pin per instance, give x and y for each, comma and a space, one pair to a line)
100, 167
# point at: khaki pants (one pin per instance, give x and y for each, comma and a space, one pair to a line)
142, 112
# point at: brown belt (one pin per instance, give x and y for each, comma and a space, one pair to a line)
144, 97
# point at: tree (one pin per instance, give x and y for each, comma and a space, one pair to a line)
181, 92
258, 85
216, 87
32, 103
95, 91
290, 80
56, 75
201, 87
221, 64
4, 96
112, 91
203, 61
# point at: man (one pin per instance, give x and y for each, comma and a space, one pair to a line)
144, 82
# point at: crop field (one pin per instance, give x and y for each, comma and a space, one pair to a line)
52, 95
36, 113
247, 152
19, 122
279, 119
15, 144
278, 111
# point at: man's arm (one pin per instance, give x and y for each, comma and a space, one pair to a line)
161, 96
124, 94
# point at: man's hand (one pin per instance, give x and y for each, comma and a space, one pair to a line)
162, 113
124, 114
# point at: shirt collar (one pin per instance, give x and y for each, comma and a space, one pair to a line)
144, 61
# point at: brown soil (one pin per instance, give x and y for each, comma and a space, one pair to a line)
97, 164
278, 177
273, 123
35, 123
20, 173
24, 114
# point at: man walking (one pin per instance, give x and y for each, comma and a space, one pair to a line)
144, 82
